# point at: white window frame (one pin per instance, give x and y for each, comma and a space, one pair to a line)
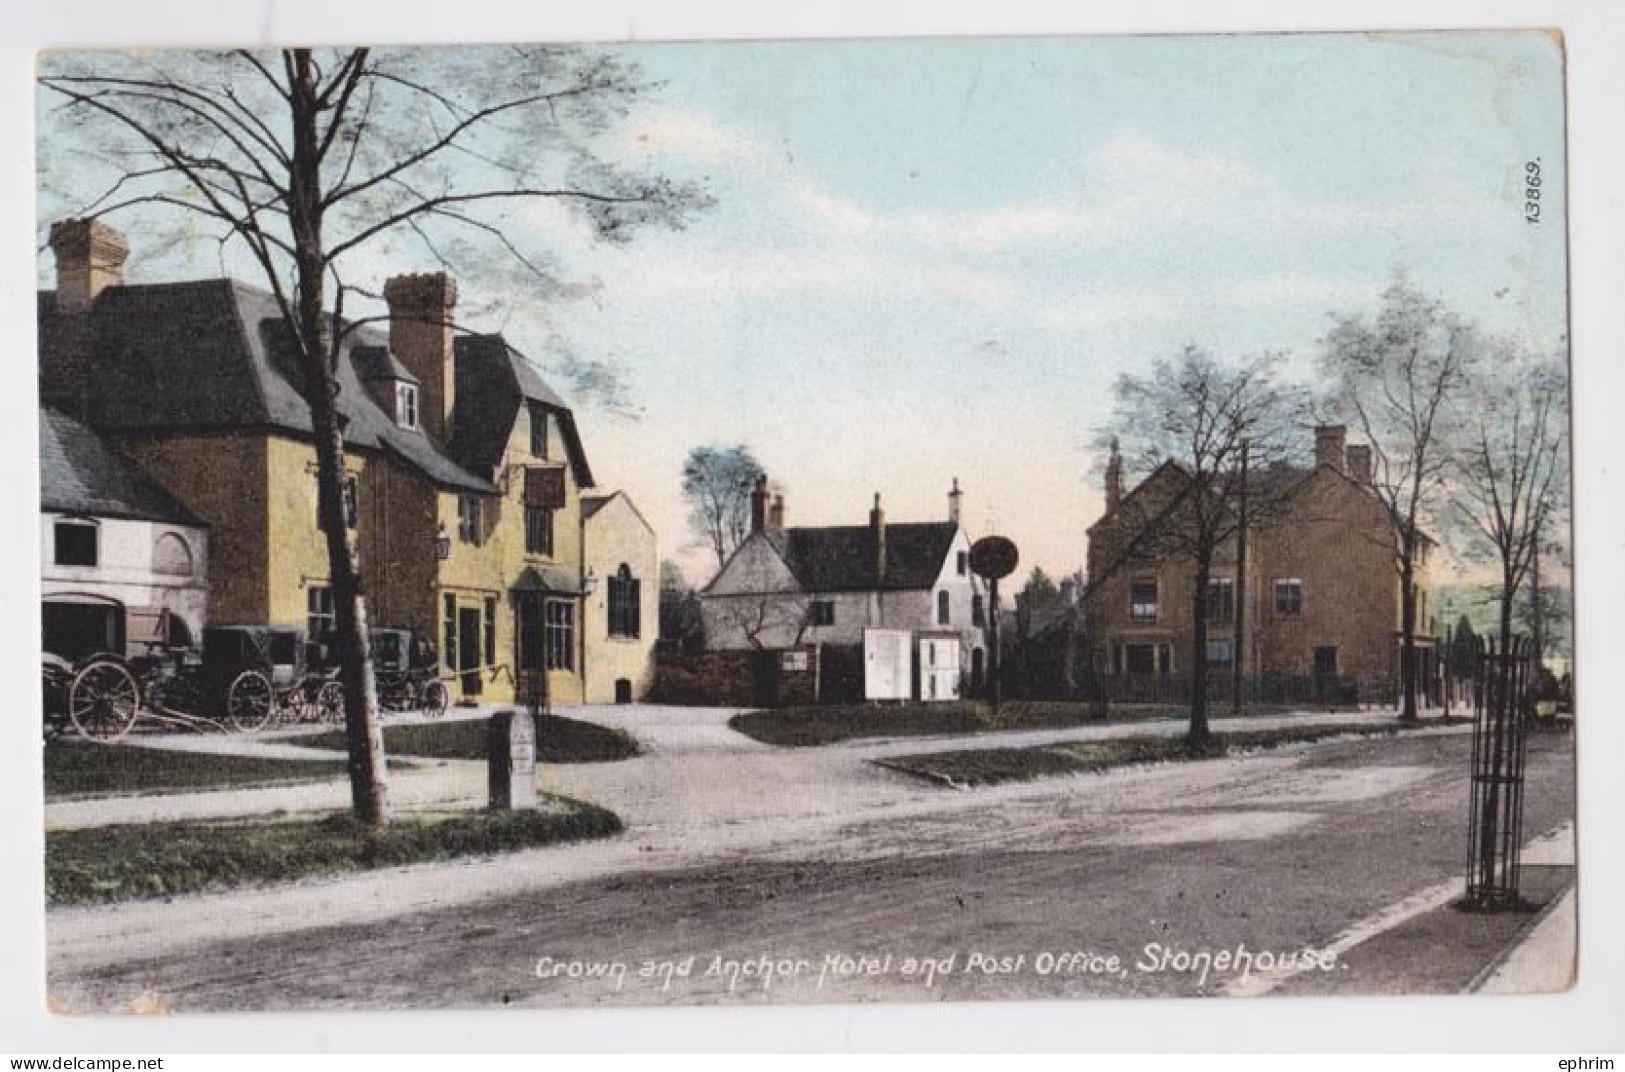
406, 405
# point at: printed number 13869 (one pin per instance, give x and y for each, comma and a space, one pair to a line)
1531, 191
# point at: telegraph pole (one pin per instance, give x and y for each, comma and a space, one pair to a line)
1239, 645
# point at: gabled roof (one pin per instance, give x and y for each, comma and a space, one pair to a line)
841, 558
493, 381
121, 369
591, 504
81, 474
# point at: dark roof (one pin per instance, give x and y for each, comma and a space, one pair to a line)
841, 558
81, 474
119, 369
380, 363
493, 381
591, 504
546, 578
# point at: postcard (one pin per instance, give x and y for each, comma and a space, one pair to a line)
818, 521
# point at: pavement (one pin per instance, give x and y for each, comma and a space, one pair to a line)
712, 817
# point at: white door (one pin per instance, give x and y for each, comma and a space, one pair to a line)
885, 664
939, 669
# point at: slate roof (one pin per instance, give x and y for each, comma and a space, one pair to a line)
493, 381
841, 558
217, 337
82, 474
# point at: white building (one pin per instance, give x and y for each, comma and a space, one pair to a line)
123, 563
621, 617
786, 587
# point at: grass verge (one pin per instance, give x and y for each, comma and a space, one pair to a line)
558, 740
117, 863
78, 769
991, 766
800, 727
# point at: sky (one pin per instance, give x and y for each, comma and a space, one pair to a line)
930, 259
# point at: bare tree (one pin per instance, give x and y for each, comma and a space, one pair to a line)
717, 485
1511, 468
1200, 415
310, 159
1397, 376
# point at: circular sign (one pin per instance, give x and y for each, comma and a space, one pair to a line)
993, 557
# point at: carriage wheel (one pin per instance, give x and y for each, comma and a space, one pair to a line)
250, 702
330, 703
103, 701
436, 698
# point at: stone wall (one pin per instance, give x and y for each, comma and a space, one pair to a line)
730, 678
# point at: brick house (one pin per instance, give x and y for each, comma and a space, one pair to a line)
464, 470
1320, 597
827, 585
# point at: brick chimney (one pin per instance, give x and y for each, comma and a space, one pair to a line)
420, 308
775, 513
956, 502
1360, 463
1114, 478
877, 529
89, 258
1329, 447
758, 505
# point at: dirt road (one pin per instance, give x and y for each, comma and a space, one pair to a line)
932, 894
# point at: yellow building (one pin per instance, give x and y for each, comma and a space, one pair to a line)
465, 470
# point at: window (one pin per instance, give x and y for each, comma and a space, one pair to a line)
1140, 658
822, 612
538, 530
625, 604
490, 632
406, 405
964, 563
171, 556
561, 631
1142, 599
1326, 660
76, 543
1288, 597
320, 618
1221, 600
448, 633
468, 518
352, 504
943, 608
538, 432
978, 611
1221, 652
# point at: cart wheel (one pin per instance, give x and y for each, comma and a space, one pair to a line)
250, 702
436, 698
103, 701
330, 703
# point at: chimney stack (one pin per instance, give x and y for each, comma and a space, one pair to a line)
1329, 447
877, 528
956, 502
420, 308
90, 258
758, 504
1114, 478
775, 513
1360, 463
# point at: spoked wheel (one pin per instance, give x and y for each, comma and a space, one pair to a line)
330, 703
436, 698
103, 701
250, 702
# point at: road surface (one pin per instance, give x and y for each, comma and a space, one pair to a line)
902, 891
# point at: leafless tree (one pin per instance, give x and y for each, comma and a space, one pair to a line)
1199, 415
1511, 468
717, 485
1398, 376
310, 160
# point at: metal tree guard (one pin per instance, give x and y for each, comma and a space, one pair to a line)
1500, 731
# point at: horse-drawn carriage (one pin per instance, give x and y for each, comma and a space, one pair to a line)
243, 678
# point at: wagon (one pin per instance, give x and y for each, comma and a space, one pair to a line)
101, 695
405, 668
259, 674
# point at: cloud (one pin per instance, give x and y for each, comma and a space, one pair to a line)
698, 137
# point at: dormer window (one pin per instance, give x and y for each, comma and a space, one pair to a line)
406, 405
538, 432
